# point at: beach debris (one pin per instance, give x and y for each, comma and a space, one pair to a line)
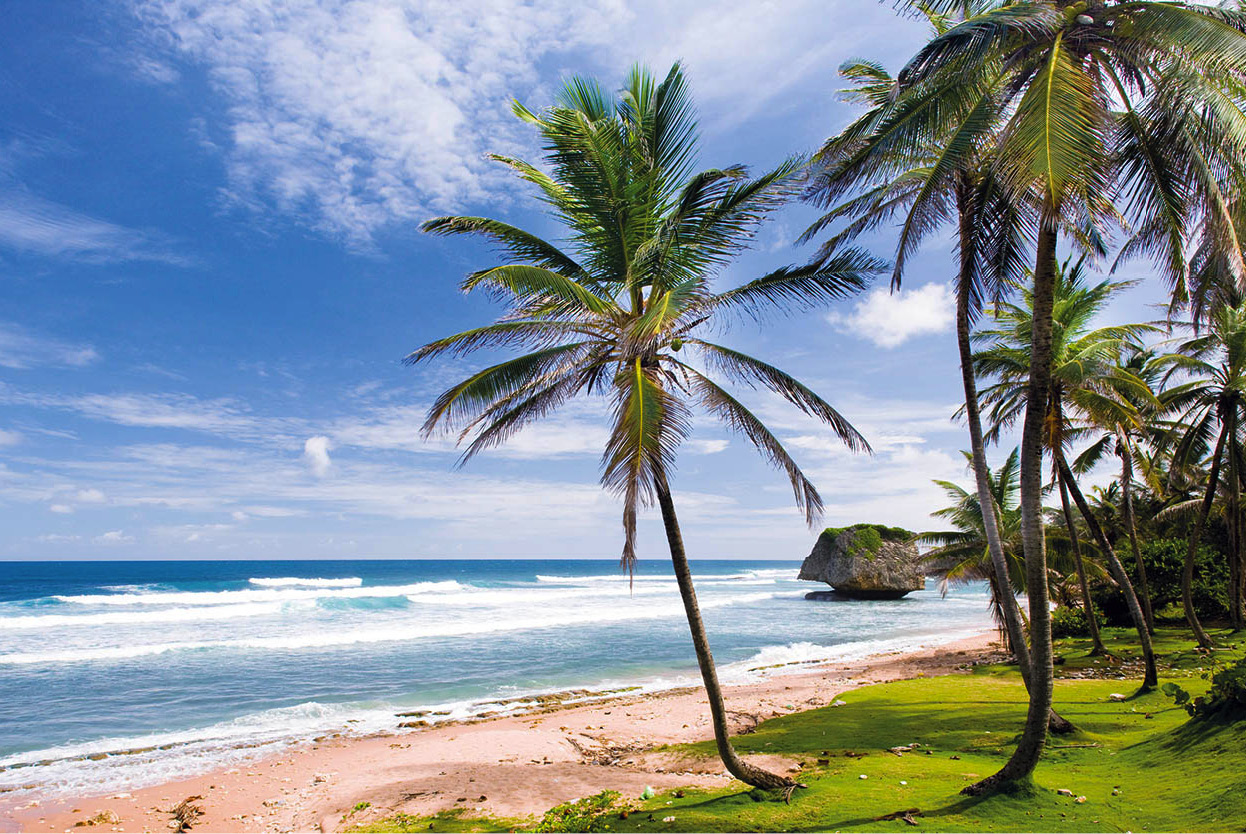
907, 815
122, 796
900, 750
601, 751
1116, 696
668, 819
957, 758
863, 776
1080, 800
185, 813
647, 793
102, 818
839, 703
320, 777
679, 794
1064, 792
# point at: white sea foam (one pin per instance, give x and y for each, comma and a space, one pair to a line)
265, 595
779, 659
296, 581
551, 618
167, 615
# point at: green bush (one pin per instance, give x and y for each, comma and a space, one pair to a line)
587, 814
1226, 698
1071, 622
1164, 560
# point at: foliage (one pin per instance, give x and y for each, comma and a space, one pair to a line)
624, 307
1163, 559
868, 538
587, 814
1071, 622
1121, 761
1226, 698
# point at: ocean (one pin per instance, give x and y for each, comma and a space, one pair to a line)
115, 675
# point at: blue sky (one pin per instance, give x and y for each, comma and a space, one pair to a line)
210, 269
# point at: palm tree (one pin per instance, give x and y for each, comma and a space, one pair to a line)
1084, 391
622, 312
1092, 99
963, 554
1211, 403
916, 186
1124, 438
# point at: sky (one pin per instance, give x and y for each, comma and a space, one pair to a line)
211, 269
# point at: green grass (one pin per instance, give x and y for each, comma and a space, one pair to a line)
447, 821
1138, 773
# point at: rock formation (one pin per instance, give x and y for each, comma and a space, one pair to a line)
865, 561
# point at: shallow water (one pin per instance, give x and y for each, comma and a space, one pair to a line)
217, 662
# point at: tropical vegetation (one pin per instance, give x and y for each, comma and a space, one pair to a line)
1051, 139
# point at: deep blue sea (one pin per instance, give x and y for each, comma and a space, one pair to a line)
217, 662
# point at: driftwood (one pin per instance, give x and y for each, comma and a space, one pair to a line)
603, 752
185, 814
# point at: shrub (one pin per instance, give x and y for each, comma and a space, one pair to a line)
587, 814
1164, 560
1071, 622
1226, 698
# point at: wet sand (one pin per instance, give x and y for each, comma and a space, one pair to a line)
511, 766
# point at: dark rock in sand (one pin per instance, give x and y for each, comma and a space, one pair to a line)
864, 561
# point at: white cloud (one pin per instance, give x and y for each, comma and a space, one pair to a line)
63, 509
890, 319
316, 453
57, 538
9, 438
373, 111
32, 225
355, 115
91, 496
21, 348
113, 537
224, 417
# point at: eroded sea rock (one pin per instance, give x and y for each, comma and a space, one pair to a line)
865, 561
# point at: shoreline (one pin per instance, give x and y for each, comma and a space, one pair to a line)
484, 766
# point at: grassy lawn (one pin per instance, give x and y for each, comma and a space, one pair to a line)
1140, 764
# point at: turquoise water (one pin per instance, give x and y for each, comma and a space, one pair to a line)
216, 662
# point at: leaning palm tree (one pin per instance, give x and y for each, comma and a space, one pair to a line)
1102, 109
914, 187
1085, 386
622, 310
1124, 438
1211, 403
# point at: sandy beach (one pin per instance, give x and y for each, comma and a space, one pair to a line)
510, 766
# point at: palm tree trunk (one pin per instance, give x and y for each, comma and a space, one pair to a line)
1235, 528
1196, 536
1088, 605
1150, 676
1127, 509
1042, 674
736, 766
977, 447
1002, 580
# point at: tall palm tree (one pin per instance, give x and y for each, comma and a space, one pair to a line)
622, 311
1124, 439
914, 187
1102, 109
1211, 403
1085, 386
